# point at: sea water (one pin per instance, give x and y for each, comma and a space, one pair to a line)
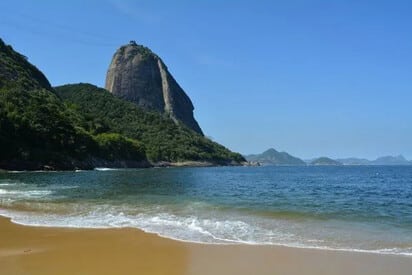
355, 208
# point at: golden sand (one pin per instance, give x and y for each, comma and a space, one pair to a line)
37, 250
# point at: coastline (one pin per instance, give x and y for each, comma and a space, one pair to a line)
48, 250
23, 166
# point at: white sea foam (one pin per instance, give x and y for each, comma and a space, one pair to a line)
184, 228
191, 222
10, 183
24, 194
32, 171
105, 169
16, 172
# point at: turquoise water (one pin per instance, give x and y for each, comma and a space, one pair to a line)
363, 208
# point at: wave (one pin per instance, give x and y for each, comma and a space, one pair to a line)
33, 171
183, 228
25, 193
43, 201
106, 169
7, 184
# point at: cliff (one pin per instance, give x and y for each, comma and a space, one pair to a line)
138, 75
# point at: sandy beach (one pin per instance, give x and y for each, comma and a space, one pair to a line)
38, 250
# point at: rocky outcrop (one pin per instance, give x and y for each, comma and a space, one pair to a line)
138, 75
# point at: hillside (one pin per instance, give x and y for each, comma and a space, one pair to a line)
354, 161
391, 160
273, 157
385, 160
39, 131
17, 72
324, 161
162, 139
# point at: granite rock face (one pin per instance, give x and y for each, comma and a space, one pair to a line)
138, 75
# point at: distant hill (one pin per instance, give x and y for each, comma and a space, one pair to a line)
354, 161
273, 157
391, 160
324, 161
386, 160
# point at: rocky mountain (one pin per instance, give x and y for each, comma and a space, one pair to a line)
82, 126
138, 75
273, 157
324, 161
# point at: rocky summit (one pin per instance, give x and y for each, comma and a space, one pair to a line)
138, 75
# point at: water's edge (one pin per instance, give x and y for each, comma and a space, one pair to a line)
352, 209
374, 252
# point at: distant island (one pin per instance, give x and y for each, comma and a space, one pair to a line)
143, 119
273, 157
324, 161
354, 161
385, 160
276, 158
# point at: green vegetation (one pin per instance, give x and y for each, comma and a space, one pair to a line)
115, 146
161, 138
34, 126
15, 71
82, 125
37, 129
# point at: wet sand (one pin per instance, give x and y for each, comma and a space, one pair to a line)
38, 250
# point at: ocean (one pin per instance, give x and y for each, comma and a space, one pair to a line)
351, 208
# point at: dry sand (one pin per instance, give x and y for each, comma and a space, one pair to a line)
38, 250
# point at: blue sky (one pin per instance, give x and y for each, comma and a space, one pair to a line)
312, 78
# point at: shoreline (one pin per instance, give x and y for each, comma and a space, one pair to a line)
118, 165
45, 250
192, 242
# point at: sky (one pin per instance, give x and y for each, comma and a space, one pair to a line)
313, 78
